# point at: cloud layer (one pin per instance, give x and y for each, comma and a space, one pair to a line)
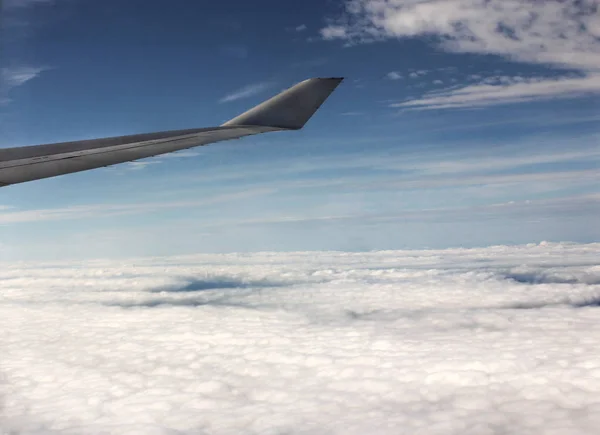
561, 34
494, 340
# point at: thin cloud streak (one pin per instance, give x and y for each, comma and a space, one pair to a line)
418, 169
246, 92
106, 210
141, 164
482, 94
588, 204
13, 77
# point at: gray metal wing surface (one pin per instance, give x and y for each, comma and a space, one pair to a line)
290, 110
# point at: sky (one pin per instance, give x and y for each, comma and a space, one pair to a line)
460, 123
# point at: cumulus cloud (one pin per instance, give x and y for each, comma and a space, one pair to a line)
246, 92
334, 32
459, 341
558, 33
417, 74
394, 75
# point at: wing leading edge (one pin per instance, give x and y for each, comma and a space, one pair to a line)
290, 110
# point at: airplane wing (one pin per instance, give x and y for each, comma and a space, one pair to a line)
289, 110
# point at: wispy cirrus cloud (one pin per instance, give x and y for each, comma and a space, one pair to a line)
246, 92
10, 215
562, 34
486, 94
144, 163
13, 77
588, 204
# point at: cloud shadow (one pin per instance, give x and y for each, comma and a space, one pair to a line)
187, 302
547, 278
199, 285
593, 301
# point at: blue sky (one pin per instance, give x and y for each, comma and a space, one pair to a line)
460, 123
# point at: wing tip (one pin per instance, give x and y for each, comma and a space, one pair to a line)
291, 109
333, 80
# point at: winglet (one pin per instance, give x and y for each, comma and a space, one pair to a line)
292, 108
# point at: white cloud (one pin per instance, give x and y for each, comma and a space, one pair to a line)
334, 32
301, 28
181, 155
417, 74
520, 90
525, 179
246, 92
559, 33
394, 75
493, 163
458, 341
144, 163
13, 77
138, 165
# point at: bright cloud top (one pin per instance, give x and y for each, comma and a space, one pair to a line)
500, 339
562, 34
